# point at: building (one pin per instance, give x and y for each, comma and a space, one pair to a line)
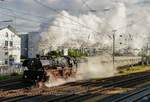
10, 45
24, 45
29, 44
33, 39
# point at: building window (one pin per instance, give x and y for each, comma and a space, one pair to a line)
6, 43
6, 34
11, 56
6, 53
6, 61
11, 35
11, 43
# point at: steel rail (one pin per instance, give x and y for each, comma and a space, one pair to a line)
75, 98
141, 92
100, 87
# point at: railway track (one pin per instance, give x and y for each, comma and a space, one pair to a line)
144, 98
13, 84
137, 96
9, 82
100, 86
92, 92
86, 83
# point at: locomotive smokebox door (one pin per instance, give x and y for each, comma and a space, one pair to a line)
33, 75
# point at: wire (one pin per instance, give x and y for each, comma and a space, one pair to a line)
22, 12
55, 10
28, 14
13, 10
39, 22
85, 3
35, 21
82, 6
19, 17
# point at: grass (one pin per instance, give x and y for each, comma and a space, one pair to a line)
9, 77
125, 71
134, 69
130, 70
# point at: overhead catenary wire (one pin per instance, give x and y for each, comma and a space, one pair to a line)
77, 22
25, 13
38, 22
27, 19
58, 12
85, 3
22, 12
19, 17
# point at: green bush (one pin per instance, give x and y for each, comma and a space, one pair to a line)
76, 53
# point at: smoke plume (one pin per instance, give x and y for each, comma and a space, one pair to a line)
96, 67
89, 29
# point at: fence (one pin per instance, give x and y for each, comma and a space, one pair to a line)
8, 70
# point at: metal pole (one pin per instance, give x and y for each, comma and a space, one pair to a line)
113, 55
147, 55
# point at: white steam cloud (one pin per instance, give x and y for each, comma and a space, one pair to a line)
119, 19
92, 30
94, 68
72, 31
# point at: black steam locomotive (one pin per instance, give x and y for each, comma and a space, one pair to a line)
41, 68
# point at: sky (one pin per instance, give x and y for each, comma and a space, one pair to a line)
80, 22
30, 15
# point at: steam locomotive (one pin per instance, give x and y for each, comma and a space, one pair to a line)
41, 68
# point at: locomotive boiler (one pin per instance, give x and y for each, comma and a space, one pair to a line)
45, 67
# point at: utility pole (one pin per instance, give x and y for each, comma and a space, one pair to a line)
146, 53
113, 55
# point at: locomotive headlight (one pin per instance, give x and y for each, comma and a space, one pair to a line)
38, 77
25, 76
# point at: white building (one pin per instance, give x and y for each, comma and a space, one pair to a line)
10, 46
